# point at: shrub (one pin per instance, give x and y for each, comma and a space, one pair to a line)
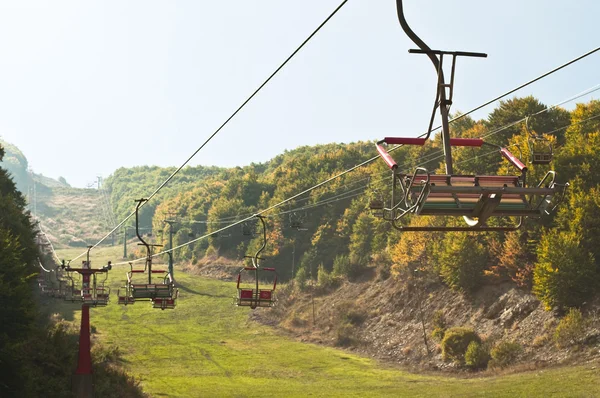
456, 341
355, 317
325, 279
345, 335
439, 326
477, 355
505, 353
570, 329
383, 264
301, 278
540, 340
341, 265
212, 252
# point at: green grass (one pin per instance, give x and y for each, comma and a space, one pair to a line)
206, 347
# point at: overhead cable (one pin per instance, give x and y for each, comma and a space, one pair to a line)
357, 166
225, 122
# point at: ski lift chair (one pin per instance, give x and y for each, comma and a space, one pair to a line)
377, 205
540, 148
101, 292
139, 290
166, 303
72, 292
256, 296
474, 197
247, 230
162, 295
124, 296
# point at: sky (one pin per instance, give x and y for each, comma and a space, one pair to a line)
89, 86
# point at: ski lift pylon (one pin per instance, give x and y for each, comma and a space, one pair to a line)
88, 291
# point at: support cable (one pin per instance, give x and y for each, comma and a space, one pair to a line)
225, 122
523, 85
352, 168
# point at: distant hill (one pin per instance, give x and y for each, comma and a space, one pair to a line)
16, 163
70, 216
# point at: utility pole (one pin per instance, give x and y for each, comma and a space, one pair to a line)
312, 294
170, 254
34, 200
293, 260
125, 242
170, 222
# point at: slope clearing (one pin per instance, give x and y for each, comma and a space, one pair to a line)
207, 347
72, 216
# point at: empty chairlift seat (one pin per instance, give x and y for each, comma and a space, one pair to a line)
475, 197
252, 296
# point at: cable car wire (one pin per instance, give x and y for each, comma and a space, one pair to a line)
523, 86
352, 168
165, 182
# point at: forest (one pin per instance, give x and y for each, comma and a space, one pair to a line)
330, 233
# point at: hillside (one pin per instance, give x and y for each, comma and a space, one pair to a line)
384, 319
327, 238
73, 217
69, 216
208, 347
16, 163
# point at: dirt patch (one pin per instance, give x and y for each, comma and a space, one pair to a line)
215, 268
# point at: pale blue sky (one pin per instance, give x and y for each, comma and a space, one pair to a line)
89, 86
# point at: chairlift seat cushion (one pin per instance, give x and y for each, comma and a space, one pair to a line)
126, 300
465, 203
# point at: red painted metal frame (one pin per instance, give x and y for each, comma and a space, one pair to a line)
404, 141
84, 361
386, 157
513, 159
474, 142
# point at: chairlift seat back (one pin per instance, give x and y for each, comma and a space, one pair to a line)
164, 303
252, 298
150, 291
541, 158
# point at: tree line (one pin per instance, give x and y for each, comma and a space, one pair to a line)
331, 231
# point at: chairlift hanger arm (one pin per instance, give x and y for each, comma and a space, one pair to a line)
140, 202
413, 36
264, 243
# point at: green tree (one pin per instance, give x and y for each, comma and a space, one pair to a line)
462, 259
512, 110
565, 274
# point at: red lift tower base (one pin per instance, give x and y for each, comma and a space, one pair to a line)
83, 382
